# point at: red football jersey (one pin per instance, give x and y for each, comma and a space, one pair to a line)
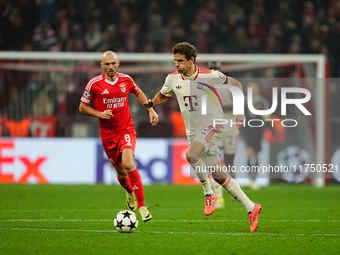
104, 94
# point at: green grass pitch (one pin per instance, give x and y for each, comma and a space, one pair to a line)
77, 219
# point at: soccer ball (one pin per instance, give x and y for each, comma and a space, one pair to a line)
125, 221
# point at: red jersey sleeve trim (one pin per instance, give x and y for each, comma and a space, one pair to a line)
204, 70
135, 89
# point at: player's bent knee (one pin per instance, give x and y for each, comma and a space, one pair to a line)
127, 166
122, 175
219, 176
220, 180
121, 172
192, 157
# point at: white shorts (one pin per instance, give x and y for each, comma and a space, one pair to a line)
211, 138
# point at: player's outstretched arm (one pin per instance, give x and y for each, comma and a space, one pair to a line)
159, 98
88, 110
233, 82
141, 98
153, 117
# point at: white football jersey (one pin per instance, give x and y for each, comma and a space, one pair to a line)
199, 97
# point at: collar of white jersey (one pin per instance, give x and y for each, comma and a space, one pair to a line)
192, 77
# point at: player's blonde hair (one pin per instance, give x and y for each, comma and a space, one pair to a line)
109, 53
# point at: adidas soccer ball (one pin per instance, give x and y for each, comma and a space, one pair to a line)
125, 221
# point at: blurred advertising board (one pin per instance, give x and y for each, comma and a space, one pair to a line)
83, 161
47, 160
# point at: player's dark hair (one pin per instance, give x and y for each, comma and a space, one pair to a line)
186, 49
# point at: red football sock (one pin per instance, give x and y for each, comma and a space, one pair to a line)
137, 187
125, 183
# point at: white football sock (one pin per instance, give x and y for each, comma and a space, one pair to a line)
202, 174
217, 188
235, 190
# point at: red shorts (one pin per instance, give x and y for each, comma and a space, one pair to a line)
115, 146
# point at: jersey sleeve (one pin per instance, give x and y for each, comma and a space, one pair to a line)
166, 89
218, 77
88, 93
133, 87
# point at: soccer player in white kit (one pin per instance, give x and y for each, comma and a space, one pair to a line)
200, 103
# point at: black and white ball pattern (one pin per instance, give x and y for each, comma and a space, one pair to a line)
125, 221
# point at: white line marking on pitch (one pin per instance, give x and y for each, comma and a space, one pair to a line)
153, 208
176, 220
177, 233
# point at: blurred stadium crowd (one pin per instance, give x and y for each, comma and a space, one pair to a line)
255, 26
214, 26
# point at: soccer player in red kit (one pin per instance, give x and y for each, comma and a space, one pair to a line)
106, 97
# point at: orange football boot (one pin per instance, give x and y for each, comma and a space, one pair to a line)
253, 217
209, 204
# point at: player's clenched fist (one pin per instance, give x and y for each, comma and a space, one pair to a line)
107, 114
153, 117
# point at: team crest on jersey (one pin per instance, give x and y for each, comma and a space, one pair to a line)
122, 87
86, 94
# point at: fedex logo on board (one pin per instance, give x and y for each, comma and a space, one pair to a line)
32, 167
